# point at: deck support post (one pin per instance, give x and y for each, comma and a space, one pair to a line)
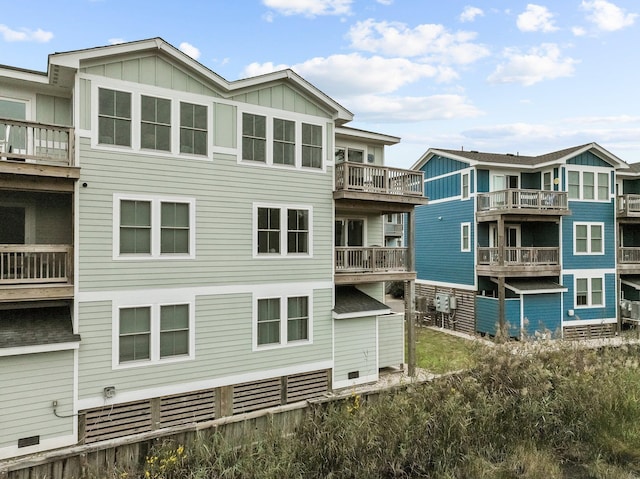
410, 292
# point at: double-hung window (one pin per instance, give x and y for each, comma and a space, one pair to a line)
153, 333
284, 142
153, 227
114, 117
282, 320
465, 185
588, 238
282, 230
589, 291
254, 137
155, 125
193, 129
311, 146
465, 237
588, 185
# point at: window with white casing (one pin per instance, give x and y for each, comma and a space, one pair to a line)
589, 291
282, 230
153, 227
464, 187
465, 237
588, 238
282, 321
588, 184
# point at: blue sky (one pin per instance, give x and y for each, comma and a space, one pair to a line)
497, 76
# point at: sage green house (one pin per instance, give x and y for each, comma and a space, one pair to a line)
177, 248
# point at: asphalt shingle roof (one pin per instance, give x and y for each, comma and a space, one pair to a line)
36, 326
349, 300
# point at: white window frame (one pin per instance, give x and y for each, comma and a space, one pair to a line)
284, 229
596, 171
589, 226
589, 278
298, 119
154, 303
464, 226
466, 175
276, 293
136, 92
156, 210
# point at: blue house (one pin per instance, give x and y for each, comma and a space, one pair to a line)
523, 242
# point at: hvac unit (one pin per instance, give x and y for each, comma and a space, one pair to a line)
634, 314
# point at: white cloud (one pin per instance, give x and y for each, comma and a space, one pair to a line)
385, 2
25, 35
190, 50
310, 8
411, 109
607, 16
539, 63
353, 74
116, 41
469, 14
429, 40
578, 31
536, 18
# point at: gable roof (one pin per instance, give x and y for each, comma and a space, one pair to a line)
522, 161
62, 68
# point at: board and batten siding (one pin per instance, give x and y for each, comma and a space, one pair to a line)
438, 242
34, 381
440, 165
390, 340
53, 109
224, 194
223, 347
355, 351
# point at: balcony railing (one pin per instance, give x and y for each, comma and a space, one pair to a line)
628, 205
36, 142
522, 199
370, 259
629, 255
34, 264
379, 179
527, 256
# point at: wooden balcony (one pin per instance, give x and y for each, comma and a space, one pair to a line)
370, 264
629, 259
522, 261
36, 149
36, 272
628, 206
522, 202
379, 184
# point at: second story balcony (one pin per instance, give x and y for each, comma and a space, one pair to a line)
34, 272
362, 182
519, 261
628, 206
371, 263
513, 201
37, 149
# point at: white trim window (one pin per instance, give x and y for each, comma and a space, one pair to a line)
588, 238
282, 321
152, 227
294, 142
589, 292
465, 237
465, 186
587, 184
282, 230
152, 333
147, 121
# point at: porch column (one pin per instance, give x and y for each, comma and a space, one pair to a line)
410, 291
501, 255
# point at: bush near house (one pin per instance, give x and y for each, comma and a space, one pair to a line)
530, 412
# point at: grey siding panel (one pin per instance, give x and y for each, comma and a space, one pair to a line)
223, 335
52, 109
355, 348
224, 193
282, 97
390, 340
26, 411
85, 104
224, 125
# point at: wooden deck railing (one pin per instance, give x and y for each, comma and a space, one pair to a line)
379, 179
522, 199
35, 263
370, 259
520, 256
628, 205
629, 254
36, 142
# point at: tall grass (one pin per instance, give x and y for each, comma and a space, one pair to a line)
525, 411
